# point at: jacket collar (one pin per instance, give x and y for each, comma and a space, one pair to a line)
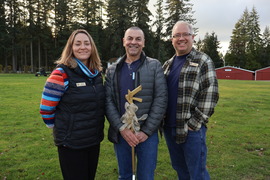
122, 59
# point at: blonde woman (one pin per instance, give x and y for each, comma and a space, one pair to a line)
72, 105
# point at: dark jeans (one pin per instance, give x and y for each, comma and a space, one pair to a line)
79, 164
146, 158
189, 158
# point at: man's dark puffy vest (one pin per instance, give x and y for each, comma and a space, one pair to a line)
79, 117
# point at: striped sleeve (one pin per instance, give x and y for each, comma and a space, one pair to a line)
53, 91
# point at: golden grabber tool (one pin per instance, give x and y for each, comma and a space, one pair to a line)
130, 95
130, 98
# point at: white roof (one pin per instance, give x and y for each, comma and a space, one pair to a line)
262, 68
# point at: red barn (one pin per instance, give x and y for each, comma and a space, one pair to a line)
262, 74
229, 72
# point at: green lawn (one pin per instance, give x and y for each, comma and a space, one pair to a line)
237, 137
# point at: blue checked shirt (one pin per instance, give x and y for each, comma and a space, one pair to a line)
197, 93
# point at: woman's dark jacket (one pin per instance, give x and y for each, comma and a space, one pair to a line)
79, 119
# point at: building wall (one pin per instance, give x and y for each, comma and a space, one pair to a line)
234, 73
263, 74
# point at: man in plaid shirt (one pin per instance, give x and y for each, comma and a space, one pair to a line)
192, 97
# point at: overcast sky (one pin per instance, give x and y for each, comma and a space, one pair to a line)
220, 16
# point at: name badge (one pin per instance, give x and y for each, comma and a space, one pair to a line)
80, 84
193, 64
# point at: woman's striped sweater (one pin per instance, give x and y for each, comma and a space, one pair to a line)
53, 91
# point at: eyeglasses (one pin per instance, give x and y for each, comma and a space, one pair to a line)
184, 35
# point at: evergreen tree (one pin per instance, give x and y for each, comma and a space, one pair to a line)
178, 10
254, 41
210, 46
92, 16
245, 46
46, 35
3, 35
141, 15
238, 44
119, 15
265, 53
198, 45
142, 20
63, 24
14, 12
31, 32
158, 24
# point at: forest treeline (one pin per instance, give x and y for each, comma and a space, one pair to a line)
33, 32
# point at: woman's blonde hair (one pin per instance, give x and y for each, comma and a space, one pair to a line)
67, 56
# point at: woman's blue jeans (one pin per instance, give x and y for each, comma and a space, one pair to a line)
188, 158
146, 153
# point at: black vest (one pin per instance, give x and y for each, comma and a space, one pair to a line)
79, 117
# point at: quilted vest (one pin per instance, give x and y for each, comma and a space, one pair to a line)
79, 117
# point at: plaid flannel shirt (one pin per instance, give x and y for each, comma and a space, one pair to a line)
197, 93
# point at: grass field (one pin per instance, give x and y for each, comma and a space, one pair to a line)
238, 134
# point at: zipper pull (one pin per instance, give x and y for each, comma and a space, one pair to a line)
133, 76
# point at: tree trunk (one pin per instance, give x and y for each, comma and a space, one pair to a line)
14, 64
39, 55
31, 54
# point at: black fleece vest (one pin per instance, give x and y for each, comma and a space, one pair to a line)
79, 117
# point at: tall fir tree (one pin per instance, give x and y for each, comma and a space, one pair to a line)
158, 25
119, 18
3, 35
142, 19
238, 43
246, 44
178, 10
199, 44
210, 46
46, 35
13, 27
265, 53
91, 14
254, 41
